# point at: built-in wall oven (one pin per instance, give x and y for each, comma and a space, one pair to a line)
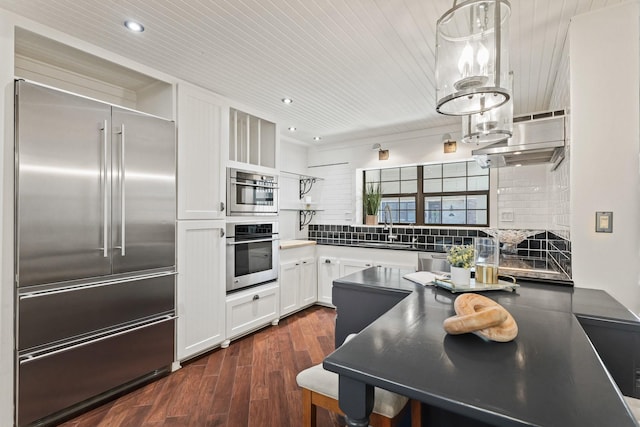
251, 193
252, 253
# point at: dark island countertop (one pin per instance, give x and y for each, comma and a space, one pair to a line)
550, 375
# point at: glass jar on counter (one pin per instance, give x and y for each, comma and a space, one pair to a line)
487, 252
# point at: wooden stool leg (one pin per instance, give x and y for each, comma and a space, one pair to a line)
416, 413
308, 409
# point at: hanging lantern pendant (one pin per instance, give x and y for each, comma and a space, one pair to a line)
472, 57
490, 126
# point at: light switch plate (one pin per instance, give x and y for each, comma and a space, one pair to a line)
604, 222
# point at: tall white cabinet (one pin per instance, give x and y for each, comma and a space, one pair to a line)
201, 291
203, 129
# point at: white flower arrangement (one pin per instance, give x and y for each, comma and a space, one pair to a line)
461, 256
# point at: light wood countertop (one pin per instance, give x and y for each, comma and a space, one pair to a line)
289, 244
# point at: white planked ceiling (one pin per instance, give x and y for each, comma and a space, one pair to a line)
354, 68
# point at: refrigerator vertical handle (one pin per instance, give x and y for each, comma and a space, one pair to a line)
122, 189
105, 195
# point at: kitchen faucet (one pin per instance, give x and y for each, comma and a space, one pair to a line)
388, 223
414, 239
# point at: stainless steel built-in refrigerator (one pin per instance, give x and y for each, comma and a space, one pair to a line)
95, 250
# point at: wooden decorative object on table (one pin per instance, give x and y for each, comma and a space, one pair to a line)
482, 316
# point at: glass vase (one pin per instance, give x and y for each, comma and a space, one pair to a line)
487, 253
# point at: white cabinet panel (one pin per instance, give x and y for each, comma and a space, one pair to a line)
289, 287
308, 281
298, 283
200, 287
251, 309
348, 266
203, 126
328, 271
401, 266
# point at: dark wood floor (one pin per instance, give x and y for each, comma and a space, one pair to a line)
250, 384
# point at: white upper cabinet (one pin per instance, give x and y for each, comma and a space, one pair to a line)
252, 140
202, 127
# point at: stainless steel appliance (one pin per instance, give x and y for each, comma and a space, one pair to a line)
537, 138
250, 193
95, 243
252, 254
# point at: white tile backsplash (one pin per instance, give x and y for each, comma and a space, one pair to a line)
534, 197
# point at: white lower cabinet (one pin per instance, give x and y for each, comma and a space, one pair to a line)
298, 285
290, 293
200, 297
328, 271
348, 266
308, 281
401, 266
252, 308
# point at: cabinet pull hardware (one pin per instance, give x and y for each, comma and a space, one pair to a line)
221, 232
327, 261
221, 206
256, 297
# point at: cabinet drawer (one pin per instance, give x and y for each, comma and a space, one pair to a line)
53, 381
51, 316
251, 309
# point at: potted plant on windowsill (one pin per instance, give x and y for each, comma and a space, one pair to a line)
372, 199
461, 259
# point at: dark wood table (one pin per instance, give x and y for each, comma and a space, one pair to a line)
550, 375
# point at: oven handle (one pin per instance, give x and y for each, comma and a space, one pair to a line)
254, 185
252, 241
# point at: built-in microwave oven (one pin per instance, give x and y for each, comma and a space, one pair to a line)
252, 254
251, 193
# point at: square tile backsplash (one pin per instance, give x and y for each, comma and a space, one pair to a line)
546, 246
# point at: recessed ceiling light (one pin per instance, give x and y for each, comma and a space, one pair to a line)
518, 165
292, 128
517, 152
287, 100
134, 26
316, 138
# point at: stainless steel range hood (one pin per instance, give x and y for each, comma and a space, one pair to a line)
537, 138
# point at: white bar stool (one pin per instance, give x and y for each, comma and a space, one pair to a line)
320, 388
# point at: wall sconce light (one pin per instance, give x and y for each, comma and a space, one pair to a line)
382, 154
450, 145
472, 57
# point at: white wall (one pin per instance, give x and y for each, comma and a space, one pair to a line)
604, 64
293, 163
410, 148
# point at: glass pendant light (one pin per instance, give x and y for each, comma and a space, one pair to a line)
490, 126
472, 57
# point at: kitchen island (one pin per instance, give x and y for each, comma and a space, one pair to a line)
550, 375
